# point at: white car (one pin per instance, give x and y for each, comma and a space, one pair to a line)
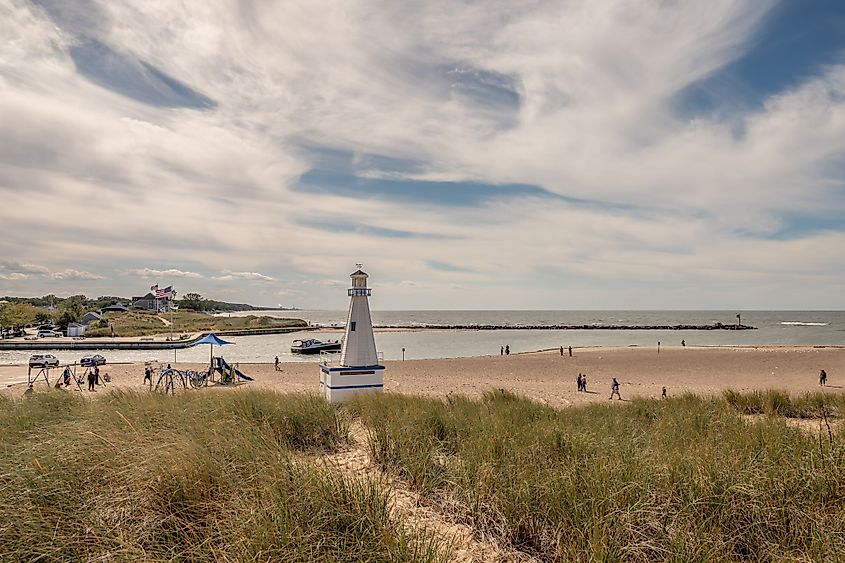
49, 334
43, 361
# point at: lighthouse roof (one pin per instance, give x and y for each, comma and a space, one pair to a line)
358, 272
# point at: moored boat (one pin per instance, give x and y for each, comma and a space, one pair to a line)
314, 346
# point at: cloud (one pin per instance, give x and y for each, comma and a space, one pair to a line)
255, 276
149, 273
538, 155
70, 274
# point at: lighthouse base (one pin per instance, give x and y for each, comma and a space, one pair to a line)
339, 383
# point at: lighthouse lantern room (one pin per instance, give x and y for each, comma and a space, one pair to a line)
360, 369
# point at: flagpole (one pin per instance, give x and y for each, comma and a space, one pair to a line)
171, 327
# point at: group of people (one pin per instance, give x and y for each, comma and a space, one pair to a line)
93, 378
570, 351
505, 350
614, 386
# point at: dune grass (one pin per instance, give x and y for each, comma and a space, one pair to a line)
686, 479
773, 402
197, 477
221, 476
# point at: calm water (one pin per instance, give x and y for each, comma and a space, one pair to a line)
774, 327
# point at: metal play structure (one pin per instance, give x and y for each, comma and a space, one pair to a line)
67, 378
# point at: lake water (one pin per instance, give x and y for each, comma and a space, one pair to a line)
774, 327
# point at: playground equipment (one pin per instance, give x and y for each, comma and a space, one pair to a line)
166, 382
67, 378
219, 366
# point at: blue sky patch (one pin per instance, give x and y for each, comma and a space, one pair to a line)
444, 267
797, 40
131, 77
369, 230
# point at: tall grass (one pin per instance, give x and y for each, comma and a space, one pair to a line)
189, 478
684, 479
780, 403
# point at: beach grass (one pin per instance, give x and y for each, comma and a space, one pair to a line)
197, 477
685, 479
236, 475
773, 402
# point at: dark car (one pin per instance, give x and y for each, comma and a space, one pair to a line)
43, 361
91, 361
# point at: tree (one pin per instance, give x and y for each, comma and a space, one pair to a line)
71, 310
16, 315
193, 301
42, 317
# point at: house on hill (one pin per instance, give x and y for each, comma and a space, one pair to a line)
149, 303
89, 318
116, 308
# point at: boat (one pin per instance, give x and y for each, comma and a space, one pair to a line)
314, 346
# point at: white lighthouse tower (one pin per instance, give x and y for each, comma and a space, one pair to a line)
359, 369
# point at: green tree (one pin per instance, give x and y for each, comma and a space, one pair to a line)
42, 316
17, 315
193, 301
71, 310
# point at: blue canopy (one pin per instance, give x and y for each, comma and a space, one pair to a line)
211, 339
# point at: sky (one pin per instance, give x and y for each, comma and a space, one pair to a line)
623, 154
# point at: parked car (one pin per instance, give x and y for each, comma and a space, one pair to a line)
49, 334
43, 361
91, 361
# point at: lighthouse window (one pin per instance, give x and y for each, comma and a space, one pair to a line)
352, 326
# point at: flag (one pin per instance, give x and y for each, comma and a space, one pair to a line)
166, 293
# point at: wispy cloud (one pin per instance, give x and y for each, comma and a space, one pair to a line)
71, 274
150, 273
506, 139
252, 276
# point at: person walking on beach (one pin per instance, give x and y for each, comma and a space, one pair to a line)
578, 381
683, 343
277, 364
822, 377
501, 350
570, 351
148, 375
561, 351
507, 350
663, 394
584, 383
97, 375
91, 380
614, 390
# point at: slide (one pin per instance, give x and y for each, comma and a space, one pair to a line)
238, 372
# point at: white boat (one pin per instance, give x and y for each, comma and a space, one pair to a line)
314, 346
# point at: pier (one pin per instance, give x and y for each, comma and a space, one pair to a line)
137, 344
715, 326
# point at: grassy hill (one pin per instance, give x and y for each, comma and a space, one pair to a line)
142, 323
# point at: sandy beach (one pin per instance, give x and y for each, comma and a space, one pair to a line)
550, 378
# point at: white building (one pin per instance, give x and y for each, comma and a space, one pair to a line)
360, 368
76, 329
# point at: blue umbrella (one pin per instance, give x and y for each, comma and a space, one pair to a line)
212, 339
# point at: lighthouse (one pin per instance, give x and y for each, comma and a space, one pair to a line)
359, 369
